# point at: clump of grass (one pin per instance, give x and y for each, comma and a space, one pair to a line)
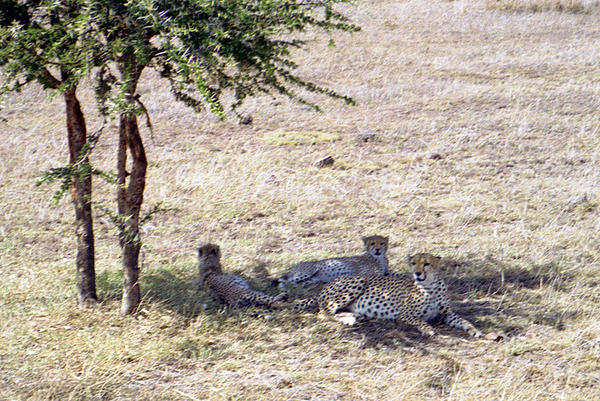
567, 6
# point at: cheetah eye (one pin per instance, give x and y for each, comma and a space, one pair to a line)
426, 264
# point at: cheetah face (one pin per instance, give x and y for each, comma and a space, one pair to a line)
209, 256
209, 250
376, 245
425, 267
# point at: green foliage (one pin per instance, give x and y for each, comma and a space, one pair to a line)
200, 42
203, 48
62, 174
67, 174
50, 42
119, 221
157, 208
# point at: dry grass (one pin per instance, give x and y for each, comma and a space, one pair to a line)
569, 6
487, 138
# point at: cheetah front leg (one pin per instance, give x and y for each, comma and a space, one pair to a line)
454, 320
421, 325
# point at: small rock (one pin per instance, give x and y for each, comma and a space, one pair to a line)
245, 119
366, 136
436, 156
268, 317
306, 108
577, 200
493, 336
325, 162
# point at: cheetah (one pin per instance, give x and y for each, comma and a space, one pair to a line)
414, 301
373, 262
232, 289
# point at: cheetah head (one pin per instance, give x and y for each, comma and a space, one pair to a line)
425, 267
376, 245
209, 256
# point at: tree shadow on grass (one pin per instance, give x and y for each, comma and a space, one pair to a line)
176, 288
169, 286
508, 296
493, 296
109, 285
488, 276
178, 293
386, 334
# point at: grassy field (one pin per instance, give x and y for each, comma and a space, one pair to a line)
486, 151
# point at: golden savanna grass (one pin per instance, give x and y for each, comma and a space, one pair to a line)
569, 6
486, 152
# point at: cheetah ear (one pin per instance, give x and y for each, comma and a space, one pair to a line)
199, 252
409, 258
218, 251
364, 240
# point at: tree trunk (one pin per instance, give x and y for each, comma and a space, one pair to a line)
130, 196
81, 190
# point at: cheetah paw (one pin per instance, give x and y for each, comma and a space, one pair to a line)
347, 318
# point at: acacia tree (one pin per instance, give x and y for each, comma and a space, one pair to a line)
209, 47
204, 48
43, 43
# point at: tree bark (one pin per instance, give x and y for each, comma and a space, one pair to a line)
81, 191
130, 196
